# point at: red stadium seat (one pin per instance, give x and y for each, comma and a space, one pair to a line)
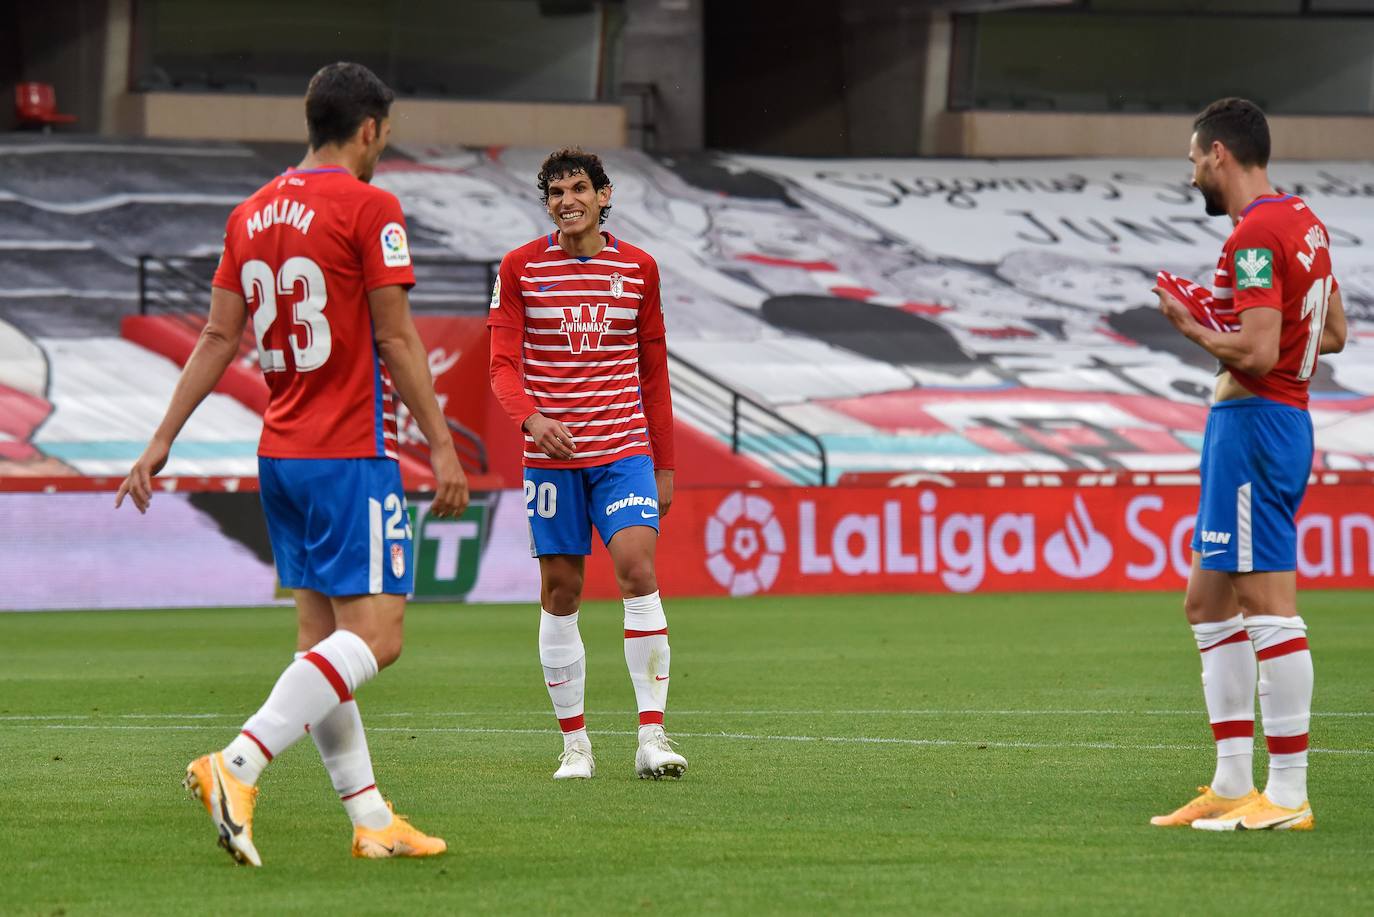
35, 105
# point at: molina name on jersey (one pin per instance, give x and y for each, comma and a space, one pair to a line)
304, 251
1279, 257
582, 320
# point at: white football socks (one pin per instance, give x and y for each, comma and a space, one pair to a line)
647, 657
342, 744
310, 688
1228, 685
1285, 692
564, 659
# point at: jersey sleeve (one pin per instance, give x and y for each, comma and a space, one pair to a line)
507, 306
227, 272
651, 326
1257, 265
382, 242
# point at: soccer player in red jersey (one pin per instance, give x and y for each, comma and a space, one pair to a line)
1275, 270
579, 361
318, 259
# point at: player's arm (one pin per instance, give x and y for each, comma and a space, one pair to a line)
508, 385
1254, 349
1333, 332
214, 351
404, 354
656, 394
507, 323
655, 389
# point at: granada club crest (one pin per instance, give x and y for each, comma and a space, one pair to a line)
744, 544
398, 560
617, 285
584, 326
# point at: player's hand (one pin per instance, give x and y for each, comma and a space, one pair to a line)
663, 477
552, 438
138, 486
1176, 312
450, 483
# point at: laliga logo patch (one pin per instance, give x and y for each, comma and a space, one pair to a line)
617, 285
744, 544
496, 294
1079, 550
398, 560
395, 249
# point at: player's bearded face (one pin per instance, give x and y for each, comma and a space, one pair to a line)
374, 147
1204, 179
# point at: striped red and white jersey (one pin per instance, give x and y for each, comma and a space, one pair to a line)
304, 252
582, 321
1278, 257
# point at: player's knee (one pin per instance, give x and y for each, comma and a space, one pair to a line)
637, 577
563, 596
386, 649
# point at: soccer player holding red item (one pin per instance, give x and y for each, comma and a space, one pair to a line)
1256, 456
318, 258
579, 361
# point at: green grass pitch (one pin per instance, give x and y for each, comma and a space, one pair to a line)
977, 754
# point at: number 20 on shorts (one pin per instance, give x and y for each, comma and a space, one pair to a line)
542, 499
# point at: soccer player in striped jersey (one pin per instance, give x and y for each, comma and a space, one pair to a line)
318, 259
1275, 271
579, 361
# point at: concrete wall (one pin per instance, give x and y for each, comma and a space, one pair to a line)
226, 116
1009, 134
662, 46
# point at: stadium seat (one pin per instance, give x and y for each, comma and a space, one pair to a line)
35, 105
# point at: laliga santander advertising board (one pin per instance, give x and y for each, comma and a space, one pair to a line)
933, 538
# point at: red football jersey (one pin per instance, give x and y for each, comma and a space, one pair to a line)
305, 251
583, 319
1279, 257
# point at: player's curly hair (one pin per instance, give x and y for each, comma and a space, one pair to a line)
341, 97
1239, 125
570, 161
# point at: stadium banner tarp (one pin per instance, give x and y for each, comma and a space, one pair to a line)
208, 548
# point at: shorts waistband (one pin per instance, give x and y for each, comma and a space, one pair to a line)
1255, 403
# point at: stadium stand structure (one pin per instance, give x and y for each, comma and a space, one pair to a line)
826, 319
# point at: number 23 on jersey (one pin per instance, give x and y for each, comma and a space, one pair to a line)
309, 334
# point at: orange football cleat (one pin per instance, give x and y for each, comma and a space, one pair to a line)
1206, 805
229, 802
398, 839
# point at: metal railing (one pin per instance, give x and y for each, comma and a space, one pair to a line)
750, 427
179, 287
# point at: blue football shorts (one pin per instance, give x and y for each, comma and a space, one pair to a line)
338, 526
1256, 458
564, 503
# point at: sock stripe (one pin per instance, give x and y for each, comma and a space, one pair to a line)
630, 634
1239, 636
1286, 745
573, 723
651, 717
370, 786
331, 675
258, 742
1233, 729
1296, 645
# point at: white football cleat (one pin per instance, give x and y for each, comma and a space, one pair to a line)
576, 763
656, 758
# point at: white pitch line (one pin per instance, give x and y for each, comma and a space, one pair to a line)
928, 711
841, 740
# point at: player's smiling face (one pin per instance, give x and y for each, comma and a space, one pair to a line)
1205, 178
575, 205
